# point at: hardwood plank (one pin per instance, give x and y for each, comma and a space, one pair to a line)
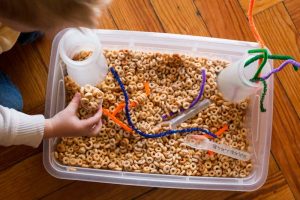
273, 166
285, 145
281, 111
43, 47
28, 180
275, 188
276, 29
106, 21
224, 19
259, 6
40, 109
281, 38
293, 7
181, 17
27, 71
84, 190
135, 15
272, 189
12, 155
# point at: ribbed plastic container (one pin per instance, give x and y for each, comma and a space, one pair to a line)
260, 124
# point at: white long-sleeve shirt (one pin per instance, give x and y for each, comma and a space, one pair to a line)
16, 127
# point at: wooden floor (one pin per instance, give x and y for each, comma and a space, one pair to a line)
22, 175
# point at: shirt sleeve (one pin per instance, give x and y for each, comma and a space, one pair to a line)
8, 38
17, 128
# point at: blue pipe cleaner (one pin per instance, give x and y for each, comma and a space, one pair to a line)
146, 135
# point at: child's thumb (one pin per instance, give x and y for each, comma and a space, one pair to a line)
73, 105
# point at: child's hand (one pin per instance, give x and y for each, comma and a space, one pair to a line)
66, 123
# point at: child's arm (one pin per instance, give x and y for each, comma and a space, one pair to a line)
66, 123
18, 128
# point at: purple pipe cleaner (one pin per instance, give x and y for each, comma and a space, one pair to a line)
290, 61
201, 88
195, 101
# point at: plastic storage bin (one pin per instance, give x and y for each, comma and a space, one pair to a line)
260, 124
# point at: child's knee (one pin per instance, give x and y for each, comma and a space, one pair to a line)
10, 96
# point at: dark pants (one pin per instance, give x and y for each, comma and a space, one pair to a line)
10, 96
29, 37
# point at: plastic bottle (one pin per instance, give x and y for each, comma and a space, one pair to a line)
234, 81
94, 68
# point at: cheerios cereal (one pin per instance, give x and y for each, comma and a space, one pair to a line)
173, 82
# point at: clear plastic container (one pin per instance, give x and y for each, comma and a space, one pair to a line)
260, 124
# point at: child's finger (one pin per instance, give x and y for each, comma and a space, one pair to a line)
73, 105
97, 128
93, 120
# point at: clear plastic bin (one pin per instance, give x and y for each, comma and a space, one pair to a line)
260, 124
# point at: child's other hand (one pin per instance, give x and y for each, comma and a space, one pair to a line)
66, 123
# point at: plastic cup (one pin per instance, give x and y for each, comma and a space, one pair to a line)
234, 81
94, 68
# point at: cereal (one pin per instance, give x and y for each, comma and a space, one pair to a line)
91, 97
174, 82
83, 55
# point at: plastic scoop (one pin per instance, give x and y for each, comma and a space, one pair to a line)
187, 114
203, 143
